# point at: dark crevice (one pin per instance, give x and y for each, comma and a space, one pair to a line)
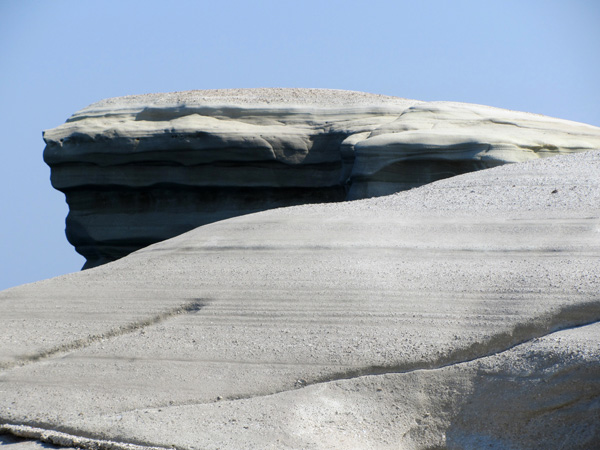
569, 317
189, 307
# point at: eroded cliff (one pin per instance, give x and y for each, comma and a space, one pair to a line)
140, 169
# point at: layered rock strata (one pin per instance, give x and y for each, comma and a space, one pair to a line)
137, 170
462, 314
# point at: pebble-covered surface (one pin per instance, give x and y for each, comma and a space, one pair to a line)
258, 96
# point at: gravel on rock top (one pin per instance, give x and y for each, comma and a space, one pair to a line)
260, 96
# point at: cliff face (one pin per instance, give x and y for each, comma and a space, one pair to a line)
141, 169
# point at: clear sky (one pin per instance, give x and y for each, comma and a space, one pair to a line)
58, 56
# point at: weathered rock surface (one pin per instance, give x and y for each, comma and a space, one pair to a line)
462, 314
137, 170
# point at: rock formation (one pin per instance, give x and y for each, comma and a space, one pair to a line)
137, 170
463, 314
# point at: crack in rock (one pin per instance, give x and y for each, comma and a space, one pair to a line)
189, 307
568, 317
524, 332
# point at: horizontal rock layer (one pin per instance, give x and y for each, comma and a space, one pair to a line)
461, 314
137, 170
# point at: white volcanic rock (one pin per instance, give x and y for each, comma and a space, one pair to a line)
435, 140
140, 169
440, 317
137, 170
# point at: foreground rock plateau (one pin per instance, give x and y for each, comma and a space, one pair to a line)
463, 314
141, 169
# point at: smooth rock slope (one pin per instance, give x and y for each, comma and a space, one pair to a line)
140, 169
461, 314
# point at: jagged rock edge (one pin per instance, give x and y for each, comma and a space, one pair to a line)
70, 440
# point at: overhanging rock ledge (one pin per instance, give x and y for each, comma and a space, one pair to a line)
141, 169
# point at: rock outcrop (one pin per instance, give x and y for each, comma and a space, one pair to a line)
137, 170
462, 314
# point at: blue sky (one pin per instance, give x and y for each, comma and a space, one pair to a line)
58, 56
